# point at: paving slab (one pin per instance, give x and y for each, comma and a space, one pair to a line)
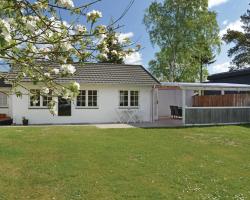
105, 126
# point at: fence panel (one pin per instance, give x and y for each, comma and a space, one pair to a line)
227, 100
217, 115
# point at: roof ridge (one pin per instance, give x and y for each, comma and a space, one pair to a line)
105, 73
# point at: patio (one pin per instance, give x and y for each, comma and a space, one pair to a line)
231, 106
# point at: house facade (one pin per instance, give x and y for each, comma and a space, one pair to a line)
105, 91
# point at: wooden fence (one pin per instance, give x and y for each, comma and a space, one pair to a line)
215, 115
227, 100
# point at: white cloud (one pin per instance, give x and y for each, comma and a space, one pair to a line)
122, 36
134, 59
218, 68
213, 3
225, 22
236, 26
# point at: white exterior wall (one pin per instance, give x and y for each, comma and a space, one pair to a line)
167, 98
108, 102
4, 111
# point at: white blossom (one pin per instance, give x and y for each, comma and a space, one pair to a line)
56, 71
66, 3
45, 50
45, 90
105, 49
114, 52
80, 28
35, 102
76, 86
34, 49
5, 24
5, 30
115, 41
94, 15
67, 94
68, 69
101, 29
67, 46
104, 55
47, 74
53, 110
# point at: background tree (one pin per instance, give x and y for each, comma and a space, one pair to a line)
186, 32
241, 40
114, 48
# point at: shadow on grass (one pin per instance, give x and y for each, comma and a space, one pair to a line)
197, 126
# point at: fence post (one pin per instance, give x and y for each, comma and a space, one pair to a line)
184, 106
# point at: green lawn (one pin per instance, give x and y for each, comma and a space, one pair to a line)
142, 164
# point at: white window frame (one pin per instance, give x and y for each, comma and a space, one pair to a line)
129, 99
87, 100
42, 98
1, 100
120, 98
84, 97
40, 106
30, 95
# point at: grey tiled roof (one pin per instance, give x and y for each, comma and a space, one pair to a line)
106, 73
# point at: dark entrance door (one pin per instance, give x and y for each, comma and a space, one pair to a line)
64, 107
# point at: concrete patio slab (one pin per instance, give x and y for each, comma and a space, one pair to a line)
106, 126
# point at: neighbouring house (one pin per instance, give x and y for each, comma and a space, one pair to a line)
105, 90
238, 76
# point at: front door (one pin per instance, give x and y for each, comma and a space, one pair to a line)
64, 107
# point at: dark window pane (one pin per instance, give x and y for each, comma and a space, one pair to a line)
35, 97
92, 98
81, 98
134, 98
123, 98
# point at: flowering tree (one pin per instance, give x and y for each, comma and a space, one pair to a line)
32, 32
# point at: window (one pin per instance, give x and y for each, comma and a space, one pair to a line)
47, 99
87, 98
81, 98
92, 98
34, 98
134, 98
3, 100
129, 98
123, 98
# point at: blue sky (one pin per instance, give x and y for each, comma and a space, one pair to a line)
228, 15
229, 12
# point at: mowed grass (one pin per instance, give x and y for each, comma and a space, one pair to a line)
115, 164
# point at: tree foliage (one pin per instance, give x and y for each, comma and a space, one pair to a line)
241, 40
114, 47
34, 32
186, 32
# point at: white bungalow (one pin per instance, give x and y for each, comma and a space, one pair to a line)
105, 91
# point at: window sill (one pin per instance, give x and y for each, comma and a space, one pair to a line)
4, 106
128, 107
38, 108
87, 108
